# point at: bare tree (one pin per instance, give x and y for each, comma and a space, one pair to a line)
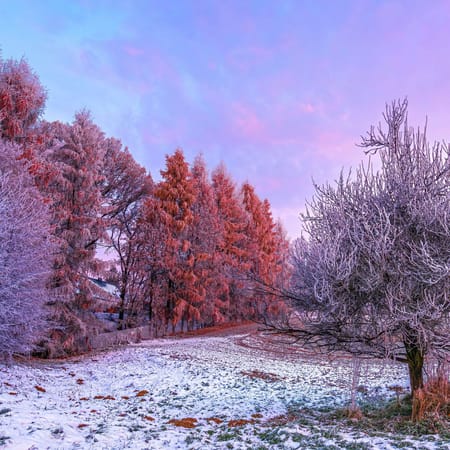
25, 255
125, 187
371, 275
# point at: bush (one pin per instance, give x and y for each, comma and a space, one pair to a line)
433, 400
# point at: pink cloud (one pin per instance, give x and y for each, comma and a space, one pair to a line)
245, 122
337, 146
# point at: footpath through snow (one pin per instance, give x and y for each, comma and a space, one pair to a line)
208, 392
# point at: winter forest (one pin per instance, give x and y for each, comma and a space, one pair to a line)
369, 277
184, 253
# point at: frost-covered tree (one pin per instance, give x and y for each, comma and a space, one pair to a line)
75, 155
22, 99
266, 250
25, 255
152, 246
204, 235
232, 255
176, 193
66, 162
372, 274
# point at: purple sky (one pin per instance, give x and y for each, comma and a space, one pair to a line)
278, 90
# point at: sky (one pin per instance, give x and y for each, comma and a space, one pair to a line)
280, 91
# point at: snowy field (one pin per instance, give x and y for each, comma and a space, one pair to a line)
205, 392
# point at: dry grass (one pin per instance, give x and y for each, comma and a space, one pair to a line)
354, 413
433, 400
224, 329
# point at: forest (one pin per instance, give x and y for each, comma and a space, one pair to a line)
186, 252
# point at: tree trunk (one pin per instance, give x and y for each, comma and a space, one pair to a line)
121, 324
150, 311
415, 359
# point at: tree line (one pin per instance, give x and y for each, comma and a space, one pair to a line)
188, 251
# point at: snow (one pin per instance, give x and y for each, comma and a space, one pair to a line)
111, 289
222, 378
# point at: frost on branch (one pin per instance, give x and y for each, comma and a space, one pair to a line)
25, 254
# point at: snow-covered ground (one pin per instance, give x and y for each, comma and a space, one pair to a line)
232, 394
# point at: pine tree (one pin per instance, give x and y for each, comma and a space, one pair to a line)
268, 251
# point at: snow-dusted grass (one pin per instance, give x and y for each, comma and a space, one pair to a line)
233, 397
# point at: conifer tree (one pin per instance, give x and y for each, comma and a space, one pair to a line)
261, 246
232, 243
151, 243
204, 238
177, 193
76, 155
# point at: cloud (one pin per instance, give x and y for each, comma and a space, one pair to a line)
245, 122
280, 91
